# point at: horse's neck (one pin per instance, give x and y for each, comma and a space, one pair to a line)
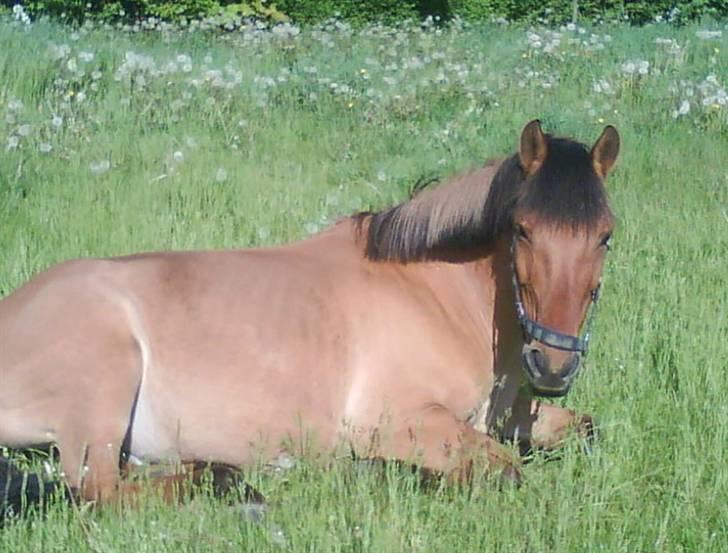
477, 290
502, 363
505, 323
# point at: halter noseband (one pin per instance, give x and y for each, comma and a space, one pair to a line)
543, 334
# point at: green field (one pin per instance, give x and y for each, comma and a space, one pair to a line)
114, 141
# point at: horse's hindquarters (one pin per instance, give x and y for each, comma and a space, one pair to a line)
69, 365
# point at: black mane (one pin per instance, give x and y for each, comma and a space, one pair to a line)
475, 209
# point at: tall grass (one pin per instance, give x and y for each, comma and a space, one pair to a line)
115, 142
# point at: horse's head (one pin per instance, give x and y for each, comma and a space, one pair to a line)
562, 226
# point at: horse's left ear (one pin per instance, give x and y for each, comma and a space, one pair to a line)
605, 150
533, 149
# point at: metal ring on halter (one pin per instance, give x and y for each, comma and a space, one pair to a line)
532, 330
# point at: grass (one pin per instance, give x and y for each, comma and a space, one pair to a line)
259, 138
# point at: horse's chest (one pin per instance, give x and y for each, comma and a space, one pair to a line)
494, 403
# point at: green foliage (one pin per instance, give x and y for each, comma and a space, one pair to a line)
360, 12
635, 11
355, 11
560, 11
130, 10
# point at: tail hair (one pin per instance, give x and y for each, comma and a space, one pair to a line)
21, 491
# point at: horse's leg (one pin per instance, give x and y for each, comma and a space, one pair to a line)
544, 426
178, 481
439, 443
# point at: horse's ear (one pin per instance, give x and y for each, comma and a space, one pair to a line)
532, 152
605, 150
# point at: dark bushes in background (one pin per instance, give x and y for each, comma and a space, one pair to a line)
388, 11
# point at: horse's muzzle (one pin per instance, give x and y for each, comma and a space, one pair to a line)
544, 381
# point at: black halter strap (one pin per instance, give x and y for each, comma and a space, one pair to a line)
548, 336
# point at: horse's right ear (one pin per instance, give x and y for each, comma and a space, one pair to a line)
533, 150
605, 150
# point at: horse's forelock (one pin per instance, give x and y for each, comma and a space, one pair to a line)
566, 190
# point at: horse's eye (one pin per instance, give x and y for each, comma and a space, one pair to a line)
606, 240
521, 232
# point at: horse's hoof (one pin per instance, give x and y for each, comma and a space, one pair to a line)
589, 432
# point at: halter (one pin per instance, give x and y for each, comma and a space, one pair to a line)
548, 336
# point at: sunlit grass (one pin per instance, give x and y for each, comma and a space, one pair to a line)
114, 142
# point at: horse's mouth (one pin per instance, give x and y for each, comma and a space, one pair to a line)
550, 385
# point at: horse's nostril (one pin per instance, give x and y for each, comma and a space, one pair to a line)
538, 360
571, 365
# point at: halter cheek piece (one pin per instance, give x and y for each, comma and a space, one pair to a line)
543, 334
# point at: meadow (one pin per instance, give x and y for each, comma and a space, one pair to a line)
122, 139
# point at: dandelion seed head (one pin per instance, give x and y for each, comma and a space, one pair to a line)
708, 35
15, 105
99, 167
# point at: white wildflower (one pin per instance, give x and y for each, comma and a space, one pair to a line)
221, 175
684, 109
708, 35
99, 167
311, 228
178, 156
13, 142
86, 57
58, 52
57, 121
15, 105
25, 130
20, 15
632, 67
45, 147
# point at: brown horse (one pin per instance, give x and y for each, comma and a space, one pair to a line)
419, 333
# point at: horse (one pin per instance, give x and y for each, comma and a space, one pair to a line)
423, 333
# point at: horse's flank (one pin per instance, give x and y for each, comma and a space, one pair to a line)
238, 328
